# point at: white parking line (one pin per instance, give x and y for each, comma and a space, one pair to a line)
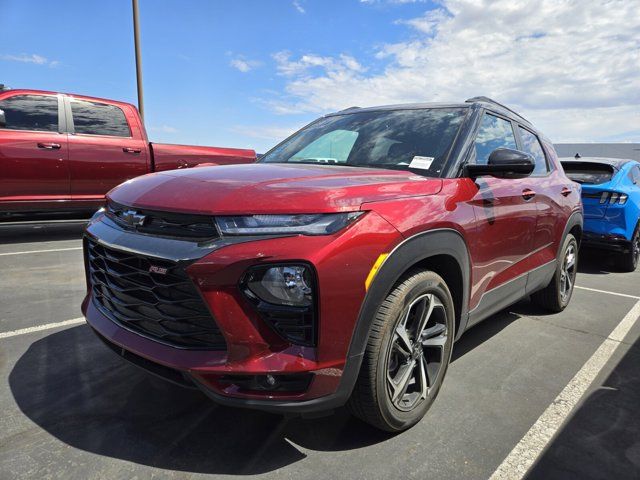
606, 291
40, 251
527, 451
38, 328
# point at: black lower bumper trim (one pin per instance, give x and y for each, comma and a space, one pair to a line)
177, 377
169, 374
606, 242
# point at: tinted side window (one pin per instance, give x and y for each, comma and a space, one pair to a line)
531, 145
99, 119
494, 133
31, 112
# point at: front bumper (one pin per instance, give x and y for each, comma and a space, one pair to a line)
342, 263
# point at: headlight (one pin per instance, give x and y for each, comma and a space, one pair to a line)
282, 285
305, 224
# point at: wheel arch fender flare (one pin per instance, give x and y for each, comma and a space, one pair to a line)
403, 257
576, 219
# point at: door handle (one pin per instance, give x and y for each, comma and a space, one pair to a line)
49, 146
528, 194
565, 192
131, 150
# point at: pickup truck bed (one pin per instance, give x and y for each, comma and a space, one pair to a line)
63, 153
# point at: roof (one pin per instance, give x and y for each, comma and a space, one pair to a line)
25, 91
616, 163
399, 106
484, 102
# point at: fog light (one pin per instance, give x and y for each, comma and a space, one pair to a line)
282, 285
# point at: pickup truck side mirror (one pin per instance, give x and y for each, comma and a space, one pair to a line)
3, 119
503, 163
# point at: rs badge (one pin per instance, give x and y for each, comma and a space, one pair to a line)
158, 270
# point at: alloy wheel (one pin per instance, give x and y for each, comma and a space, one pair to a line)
568, 273
415, 356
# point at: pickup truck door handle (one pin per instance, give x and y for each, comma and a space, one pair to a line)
49, 146
131, 150
565, 192
528, 194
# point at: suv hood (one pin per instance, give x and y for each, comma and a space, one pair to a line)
270, 188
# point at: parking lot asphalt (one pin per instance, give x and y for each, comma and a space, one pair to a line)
72, 409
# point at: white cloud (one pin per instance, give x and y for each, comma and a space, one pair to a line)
572, 66
298, 6
331, 65
244, 65
30, 58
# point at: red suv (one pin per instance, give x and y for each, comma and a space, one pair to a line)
341, 268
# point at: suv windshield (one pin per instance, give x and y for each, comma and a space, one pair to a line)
399, 139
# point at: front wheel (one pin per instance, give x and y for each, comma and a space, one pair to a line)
555, 296
407, 353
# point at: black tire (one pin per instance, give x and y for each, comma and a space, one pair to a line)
556, 296
420, 298
628, 262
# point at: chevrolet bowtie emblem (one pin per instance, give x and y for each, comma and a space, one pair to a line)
133, 218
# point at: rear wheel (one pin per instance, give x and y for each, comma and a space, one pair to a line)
407, 353
555, 296
628, 262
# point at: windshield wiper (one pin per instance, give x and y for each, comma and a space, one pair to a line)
316, 161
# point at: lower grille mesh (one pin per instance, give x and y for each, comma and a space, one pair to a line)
153, 297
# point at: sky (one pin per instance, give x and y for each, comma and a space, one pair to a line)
246, 73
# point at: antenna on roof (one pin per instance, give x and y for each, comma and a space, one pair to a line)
577, 156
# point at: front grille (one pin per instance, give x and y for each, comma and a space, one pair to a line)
150, 296
164, 224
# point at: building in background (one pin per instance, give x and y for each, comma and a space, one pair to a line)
607, 150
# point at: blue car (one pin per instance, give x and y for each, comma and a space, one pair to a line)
611, 198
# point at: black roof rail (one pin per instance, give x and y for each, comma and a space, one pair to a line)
490, 100
350, 108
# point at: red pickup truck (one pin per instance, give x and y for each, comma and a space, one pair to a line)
63, 153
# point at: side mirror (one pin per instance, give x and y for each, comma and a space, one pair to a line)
3, 119
503, 163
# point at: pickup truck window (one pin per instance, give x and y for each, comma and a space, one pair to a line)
95, 118
411, 139
31, 112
